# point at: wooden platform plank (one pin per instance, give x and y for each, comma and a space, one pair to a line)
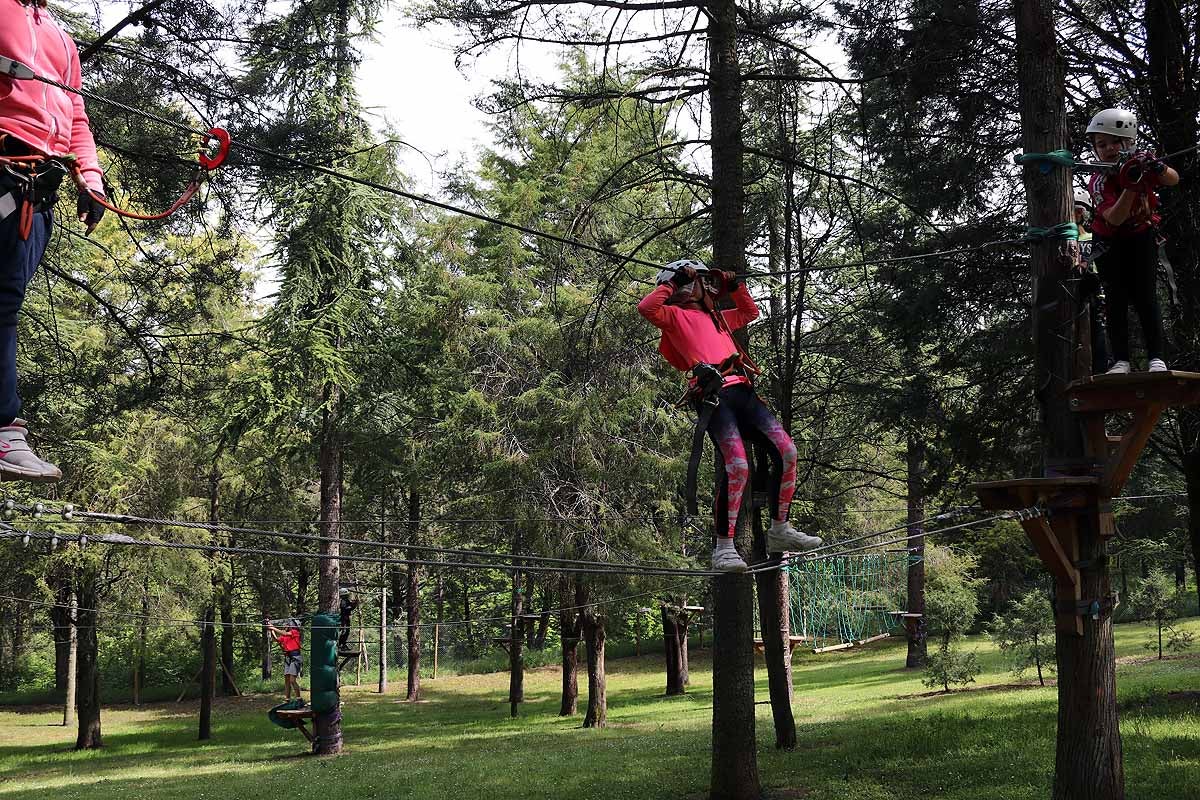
1135, 390
1074, 491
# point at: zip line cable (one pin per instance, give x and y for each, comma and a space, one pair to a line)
177, 622
123, 519
477, 215
121, 539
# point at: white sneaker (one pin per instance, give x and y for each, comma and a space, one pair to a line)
727, 560
17, 459
783, 538
1158, 365
1119, 368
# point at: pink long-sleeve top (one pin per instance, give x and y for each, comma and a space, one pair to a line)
690, 336
45, 117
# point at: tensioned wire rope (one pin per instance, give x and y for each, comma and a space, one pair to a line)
477, 215
564, 564
773, 564
179, 622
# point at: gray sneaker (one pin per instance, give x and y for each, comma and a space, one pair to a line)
728, 561
783, 538
18, 462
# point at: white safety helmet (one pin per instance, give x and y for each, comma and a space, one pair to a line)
344, 592
1114, 122
1083, 198
668, 272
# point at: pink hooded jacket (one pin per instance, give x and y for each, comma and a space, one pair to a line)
689, 335
44, 117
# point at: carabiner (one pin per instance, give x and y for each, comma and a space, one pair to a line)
213, 157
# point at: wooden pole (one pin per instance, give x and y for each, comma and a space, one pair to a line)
72, 663
383, 598
1088, 758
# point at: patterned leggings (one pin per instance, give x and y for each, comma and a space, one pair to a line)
741, 411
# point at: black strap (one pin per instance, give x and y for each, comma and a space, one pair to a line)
1165, 263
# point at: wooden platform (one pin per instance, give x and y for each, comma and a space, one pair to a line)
1133, 391
793, 642
1018, 493
299, 715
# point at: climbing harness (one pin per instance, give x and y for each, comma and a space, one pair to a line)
703, 395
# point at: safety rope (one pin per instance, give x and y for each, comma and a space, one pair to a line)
72, 515
1063, 230
120, 539
177, 622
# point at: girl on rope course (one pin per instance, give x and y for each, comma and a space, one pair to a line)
1124, 228
36, 121
293, 661
698, 337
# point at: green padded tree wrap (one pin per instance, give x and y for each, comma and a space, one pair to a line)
323, 662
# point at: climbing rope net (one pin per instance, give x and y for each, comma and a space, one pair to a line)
847, 599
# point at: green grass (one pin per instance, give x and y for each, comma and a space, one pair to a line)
868, 730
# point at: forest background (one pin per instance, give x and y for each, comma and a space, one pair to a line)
422, 379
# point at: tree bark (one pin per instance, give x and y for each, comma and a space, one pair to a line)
413, 600
61, 628
1175, 107
383, 601
139, 661
1088, 755
775, 624
734, 757
208, 677
228, 689
72, 662
87, 678
571, 625
593, 635
916, 632
328, 726
672, 644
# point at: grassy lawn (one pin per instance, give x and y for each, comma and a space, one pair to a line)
868, 730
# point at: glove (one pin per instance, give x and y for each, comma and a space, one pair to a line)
90, 210
684, 276
1137, 175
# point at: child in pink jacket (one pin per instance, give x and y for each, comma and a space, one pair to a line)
36, 119
697, 337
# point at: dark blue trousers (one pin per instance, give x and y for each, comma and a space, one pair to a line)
19, 259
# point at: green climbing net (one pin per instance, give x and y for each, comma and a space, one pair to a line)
847, 598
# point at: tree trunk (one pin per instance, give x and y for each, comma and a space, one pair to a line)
917, 631
227, 632
208, 677
593, 635
413, 600
672, 642
266, 648
72, 662
571, 625
440, 599
516, 658
1088, 755
87, 678
139, 661
1175, 108
734, 758
61, 628
383, 601
208, 643
328, 726
775, 625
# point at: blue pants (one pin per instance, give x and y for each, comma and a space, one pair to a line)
19, 259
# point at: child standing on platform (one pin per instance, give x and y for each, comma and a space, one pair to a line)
1125, 238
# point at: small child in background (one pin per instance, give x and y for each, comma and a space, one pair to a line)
1125, 239
348, 604
293, 662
